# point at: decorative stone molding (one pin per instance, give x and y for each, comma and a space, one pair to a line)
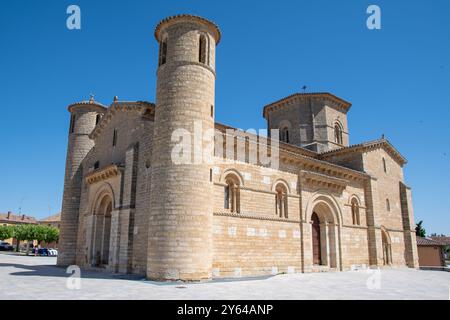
187, 17
294, 98
299, 156
367, 146
102, 174
146, 109
91, 104
242, 188
353, 226
323, 181
254, 216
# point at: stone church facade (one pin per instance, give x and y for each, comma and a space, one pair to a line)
129, 208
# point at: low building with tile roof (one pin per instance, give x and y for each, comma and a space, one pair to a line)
52, 221
9, 219
431, 252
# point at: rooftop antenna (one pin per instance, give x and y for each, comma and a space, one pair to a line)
20, 205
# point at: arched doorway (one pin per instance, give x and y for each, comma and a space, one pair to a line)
102, 232
387, 253
106, 234
317, 255
325, 240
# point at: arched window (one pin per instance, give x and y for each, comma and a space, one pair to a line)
232, 194
162, 52
285, 135
338, 133
72, 123
202, 49
281, 201
114, 138
355, 212
388, 205
384, 165
387, 251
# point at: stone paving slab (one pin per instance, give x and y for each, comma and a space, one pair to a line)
38, 278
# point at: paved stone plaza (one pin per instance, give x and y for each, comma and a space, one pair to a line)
39, 278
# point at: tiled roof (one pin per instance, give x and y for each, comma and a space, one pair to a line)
121, 106
13, 218
444, 240
365, 146
92, 103
53, 218
345, 104
428, 242
305, 154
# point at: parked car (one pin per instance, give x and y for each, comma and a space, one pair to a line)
41, 251
5, 246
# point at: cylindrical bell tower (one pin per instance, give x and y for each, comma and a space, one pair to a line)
83, 119
180, 222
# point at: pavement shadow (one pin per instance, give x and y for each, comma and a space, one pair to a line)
56, 271
52, 270
182, 284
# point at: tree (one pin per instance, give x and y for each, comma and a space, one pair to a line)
5, 232
40, 233
46, 233
52, 234
30, 232
420, 230
24, 232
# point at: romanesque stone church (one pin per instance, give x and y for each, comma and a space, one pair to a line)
129, 207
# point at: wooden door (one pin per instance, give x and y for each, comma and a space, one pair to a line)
316, 239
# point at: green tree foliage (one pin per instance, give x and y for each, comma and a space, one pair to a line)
420, 230
6, 232
30, 232
46, 233
40, 233
51, 234
25, 232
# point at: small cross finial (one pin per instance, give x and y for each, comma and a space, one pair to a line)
382, 136
304, 88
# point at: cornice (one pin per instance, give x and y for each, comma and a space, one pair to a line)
293, 98
188, 17
102, 174
91, 104
306, 159
367, 146
144, 108
254, 216
323, 181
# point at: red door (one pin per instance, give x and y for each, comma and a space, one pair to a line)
316, 239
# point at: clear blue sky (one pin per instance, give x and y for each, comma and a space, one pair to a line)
398, 79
